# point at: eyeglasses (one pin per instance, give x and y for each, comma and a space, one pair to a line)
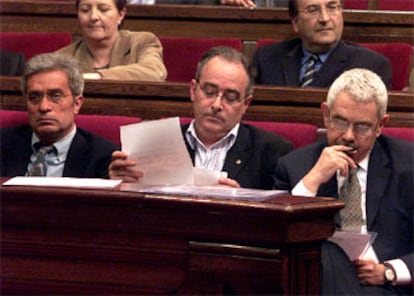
361, 129
53, 96
211, 91
331, 8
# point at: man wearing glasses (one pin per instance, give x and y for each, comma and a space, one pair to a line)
354, 115
216, 139
319, 55
51, 145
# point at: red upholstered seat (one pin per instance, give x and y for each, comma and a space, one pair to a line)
402, 5
32, 43
300, 134
181, 55
400, 55
404, 133
106, 126
356, 4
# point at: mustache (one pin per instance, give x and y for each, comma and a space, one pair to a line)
352, 145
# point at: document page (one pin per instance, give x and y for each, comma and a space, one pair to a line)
63, 182
159, 149
355, 244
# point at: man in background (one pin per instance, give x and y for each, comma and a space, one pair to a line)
319, 55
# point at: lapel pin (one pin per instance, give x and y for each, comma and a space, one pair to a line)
238, 161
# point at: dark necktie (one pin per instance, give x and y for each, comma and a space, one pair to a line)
309, 71
350, 193
40, 166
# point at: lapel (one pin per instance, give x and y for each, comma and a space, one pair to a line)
121, 48
291, 65
78, 158
18, 153
379, 174
333, 67
238, 156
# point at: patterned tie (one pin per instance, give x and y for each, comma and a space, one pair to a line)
40, 166
309, 71
350, 193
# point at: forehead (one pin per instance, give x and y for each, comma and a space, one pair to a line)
219, 70
304, 3
346, 106
91, 2
49, 79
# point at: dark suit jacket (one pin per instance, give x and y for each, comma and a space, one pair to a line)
252, 159
11, 63
88, 157
389, 196
279, 63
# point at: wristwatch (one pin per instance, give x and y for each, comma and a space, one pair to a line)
389, 273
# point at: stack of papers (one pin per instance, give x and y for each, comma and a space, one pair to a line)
64, 182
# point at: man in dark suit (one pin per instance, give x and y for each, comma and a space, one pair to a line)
319, 25
354, 115
216, 139
52, 85
11, 63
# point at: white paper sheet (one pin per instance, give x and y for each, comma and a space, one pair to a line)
63, 182
217, 192
159, 149
356, 245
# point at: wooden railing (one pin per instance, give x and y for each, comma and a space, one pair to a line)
205, 21
155, 100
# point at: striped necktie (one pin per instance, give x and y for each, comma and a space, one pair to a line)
350, 193
309, 70
40, 165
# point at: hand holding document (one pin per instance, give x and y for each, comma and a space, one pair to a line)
161, 154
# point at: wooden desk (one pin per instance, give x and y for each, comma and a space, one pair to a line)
72, 241
156, 100
205, 21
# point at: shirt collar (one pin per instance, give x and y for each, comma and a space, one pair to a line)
192, 137
62, 145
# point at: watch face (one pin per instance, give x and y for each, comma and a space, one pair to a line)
389, 274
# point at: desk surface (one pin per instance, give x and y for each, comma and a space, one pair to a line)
119, 241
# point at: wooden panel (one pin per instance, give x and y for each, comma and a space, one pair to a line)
73, 241
206, 21
156, 100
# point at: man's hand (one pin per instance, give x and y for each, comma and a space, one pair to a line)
229, 182
369, 272
122, 168
244, 3
332, 158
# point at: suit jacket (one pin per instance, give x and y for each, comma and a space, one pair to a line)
135, 56
88, 157
389, 196
252, 159
11, 63
279, 63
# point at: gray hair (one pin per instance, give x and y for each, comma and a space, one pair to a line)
363, 85
52, 61
231, 55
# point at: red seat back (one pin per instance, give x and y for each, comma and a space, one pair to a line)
356, 4
402, 5
400, 55
181, 55
32, 43
106, 126
404, 133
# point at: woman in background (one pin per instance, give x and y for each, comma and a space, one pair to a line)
106, 52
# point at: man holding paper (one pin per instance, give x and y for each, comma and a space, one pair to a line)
216, 139
381, 199
51, 145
